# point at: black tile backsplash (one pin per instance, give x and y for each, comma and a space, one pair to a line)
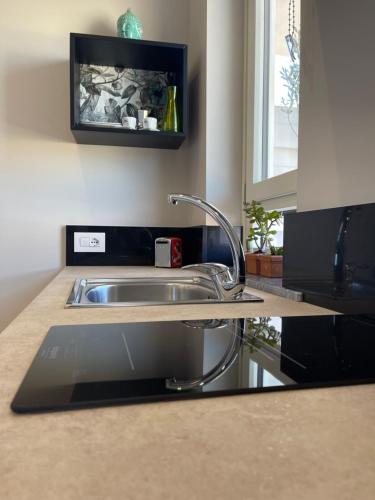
135, 246
329, 255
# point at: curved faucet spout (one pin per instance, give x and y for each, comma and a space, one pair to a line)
235, 283
236, 331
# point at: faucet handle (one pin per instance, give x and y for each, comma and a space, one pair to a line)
221, 276
210, 268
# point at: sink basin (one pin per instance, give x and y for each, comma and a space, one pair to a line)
115, 292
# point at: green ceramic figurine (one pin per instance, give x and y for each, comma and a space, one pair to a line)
129, 26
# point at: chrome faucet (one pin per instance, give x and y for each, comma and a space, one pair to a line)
236, 329
228, 282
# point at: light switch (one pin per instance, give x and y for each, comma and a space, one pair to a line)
89, 242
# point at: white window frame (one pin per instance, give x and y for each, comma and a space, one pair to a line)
279, 191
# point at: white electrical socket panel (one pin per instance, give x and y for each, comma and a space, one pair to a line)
89, 242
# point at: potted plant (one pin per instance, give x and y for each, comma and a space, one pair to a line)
271, 265
259, 332
261, 232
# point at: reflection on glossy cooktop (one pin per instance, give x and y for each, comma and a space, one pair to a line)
83, 366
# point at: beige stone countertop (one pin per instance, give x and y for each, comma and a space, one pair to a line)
304, 444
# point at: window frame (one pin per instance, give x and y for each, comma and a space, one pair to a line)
274, 192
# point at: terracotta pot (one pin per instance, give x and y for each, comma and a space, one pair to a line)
252, 263
271, 266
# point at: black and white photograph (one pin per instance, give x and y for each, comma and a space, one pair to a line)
108, 94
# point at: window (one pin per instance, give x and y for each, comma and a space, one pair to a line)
272, 102
280, 81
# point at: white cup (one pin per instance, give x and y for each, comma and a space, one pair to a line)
129, 122
150, 123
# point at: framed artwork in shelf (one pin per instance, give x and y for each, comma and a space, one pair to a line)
110, 93
113, 79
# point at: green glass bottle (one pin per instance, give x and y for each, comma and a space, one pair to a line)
170, 122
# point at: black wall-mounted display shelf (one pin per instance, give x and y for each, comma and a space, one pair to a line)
128, 53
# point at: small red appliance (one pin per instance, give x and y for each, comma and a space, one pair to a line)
168, 252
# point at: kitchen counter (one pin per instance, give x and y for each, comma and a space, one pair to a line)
303, 444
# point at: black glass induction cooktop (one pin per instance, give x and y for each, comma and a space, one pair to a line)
82, 366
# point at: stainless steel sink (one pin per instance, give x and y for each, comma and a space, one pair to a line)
115, 292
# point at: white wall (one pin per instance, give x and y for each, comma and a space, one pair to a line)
224, 134
46, 179
196, 142
337, 107
216, 73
